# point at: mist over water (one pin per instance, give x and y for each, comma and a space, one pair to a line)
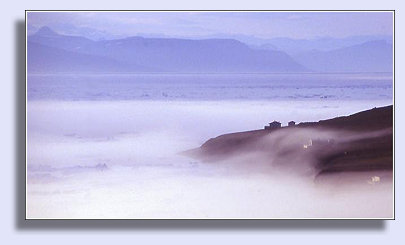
109, 156
211, 87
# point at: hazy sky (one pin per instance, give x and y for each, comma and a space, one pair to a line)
258, 24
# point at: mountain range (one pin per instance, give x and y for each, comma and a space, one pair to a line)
50, 52
152, 54
372, 56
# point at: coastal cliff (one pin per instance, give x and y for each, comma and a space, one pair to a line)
359, 142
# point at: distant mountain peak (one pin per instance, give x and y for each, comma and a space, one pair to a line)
46, 31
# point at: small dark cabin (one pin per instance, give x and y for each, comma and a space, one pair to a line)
291, 123
273, 125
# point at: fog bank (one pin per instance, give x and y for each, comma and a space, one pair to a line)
119, 159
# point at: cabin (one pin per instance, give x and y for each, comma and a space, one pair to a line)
308, 144
374, 180
291, 123
273, 125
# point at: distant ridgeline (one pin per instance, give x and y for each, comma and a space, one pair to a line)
50, 52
